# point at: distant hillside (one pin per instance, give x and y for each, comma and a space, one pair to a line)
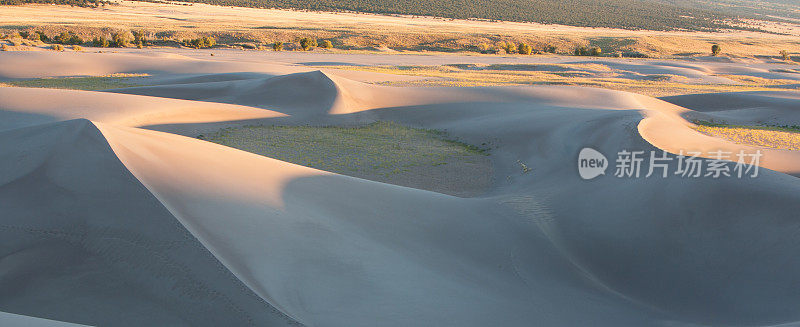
628, 14
78, 3
769, 8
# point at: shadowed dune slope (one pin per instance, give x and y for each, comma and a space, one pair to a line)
84, 241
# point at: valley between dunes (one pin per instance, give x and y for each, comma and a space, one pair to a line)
114, 213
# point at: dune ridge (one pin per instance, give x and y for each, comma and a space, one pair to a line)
106, 186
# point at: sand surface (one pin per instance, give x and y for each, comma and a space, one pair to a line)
112, 213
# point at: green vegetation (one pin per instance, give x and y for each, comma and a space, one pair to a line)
775, 137
101, 42
113, 81
577, 74
785, 55
716, 49
583, 51
326, 44
308, 43
67, 38
277, 46
629, 14
57, 47
203, 42
524, 49
77, 3
377, 149
121, 39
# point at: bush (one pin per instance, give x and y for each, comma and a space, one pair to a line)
524, 49
326, 44
77, 48
139, 39
34, 36
785, 55
509, 47
4, 47
42, 37
100, 42
715, 49
277, 46
24, 34
307, 44
57, 47
583, 51
62, 38
203, 42
550, 49
121, 39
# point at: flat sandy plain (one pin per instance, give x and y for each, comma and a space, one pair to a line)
114, 213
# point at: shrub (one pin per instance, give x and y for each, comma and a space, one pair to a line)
121, 39
325, 44
62, 38
68, 38
785, 55
715, 49
277, 46
4, 47
203, 42
595, 51
307, 43
34, 36
42, 37
77, 48
582, 51
100, 42
524, 49
139, 39
510, 47
24, 34
57, 47
550, 49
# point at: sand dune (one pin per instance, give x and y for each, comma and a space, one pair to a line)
109, 222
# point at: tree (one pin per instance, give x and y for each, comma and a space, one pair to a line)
121, 39
203, 42
42, 36
524, 49
326, 44
715, 49
595, 51
100, 42
307, 43
139, 39
277, 46
510, 47
785, 55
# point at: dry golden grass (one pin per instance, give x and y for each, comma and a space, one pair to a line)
763, 136
593, 75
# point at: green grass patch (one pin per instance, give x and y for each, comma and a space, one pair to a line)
113, 81
785, 137
377, 149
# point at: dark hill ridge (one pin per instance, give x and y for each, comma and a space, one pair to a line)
627, 14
